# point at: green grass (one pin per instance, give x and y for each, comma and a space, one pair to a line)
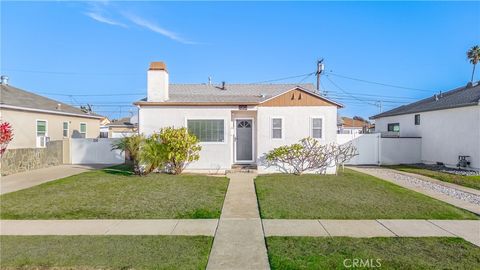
350, 195
100, 252
466, 181
116, 194
392, 253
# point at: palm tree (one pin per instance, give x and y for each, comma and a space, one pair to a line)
474, 56
132, 146
153, 154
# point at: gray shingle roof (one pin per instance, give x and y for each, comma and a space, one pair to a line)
125, 121
13, 96
459, 97
248, 93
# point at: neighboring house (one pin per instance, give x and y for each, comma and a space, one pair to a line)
448, 123
236, 123
122, 128
36, 119
353, 126
104, 128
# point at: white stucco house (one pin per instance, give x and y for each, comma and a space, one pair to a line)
236, 123
448, 124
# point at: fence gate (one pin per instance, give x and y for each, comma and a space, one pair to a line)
94, 151
376, 150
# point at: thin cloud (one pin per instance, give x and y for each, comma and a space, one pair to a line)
156, 28
100, 18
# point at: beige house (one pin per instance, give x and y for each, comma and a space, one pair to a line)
36, 119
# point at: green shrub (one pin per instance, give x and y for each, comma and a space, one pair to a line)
180, 146
132, 148
153, 154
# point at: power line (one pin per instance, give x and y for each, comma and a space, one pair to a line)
72, 73
341, 89
285, 78
91, 95
379, 83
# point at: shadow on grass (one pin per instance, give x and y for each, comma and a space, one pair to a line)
124, 169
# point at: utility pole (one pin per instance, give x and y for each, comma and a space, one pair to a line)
320, 68
380, 105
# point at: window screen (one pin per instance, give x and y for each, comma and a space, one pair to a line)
276, 128
394, 127
317, 128
83, 128
417, 119
207, 130
65, 129
41, 128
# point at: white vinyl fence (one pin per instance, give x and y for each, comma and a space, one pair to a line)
375, 150
95, 151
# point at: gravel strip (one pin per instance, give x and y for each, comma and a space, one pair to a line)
452, 192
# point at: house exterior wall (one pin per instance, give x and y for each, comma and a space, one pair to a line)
446, 134
120, 132
24, 126
296, 125
213, 156
220, 156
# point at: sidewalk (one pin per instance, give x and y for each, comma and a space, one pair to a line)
467, 229
239, 241
110, 227
449, 193
32, 178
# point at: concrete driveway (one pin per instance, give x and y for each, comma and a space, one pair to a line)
32, 178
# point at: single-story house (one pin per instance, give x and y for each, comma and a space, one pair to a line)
237, 123
122, 127
448, 123
354, 125
36, 119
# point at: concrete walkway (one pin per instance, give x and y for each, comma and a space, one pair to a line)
32, 178
239, 241
467, 229
461, 197
110, 227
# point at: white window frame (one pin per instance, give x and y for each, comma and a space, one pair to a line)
282, 128
323, 127
68, 129
36, 133
80, 128
211, 118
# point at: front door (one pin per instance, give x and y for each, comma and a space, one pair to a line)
244, 151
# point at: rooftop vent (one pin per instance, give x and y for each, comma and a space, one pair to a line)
59, 106
223, 86
4, 79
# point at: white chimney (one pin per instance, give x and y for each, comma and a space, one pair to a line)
157, 82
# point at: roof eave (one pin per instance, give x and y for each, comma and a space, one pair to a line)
166, 103
18, 108
419, 111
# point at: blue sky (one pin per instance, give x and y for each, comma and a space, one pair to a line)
70, 50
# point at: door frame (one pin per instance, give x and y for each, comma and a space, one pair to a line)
235, 140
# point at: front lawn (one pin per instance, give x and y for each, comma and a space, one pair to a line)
105, 252
381, 253
114, 193
466, 181
350, 195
